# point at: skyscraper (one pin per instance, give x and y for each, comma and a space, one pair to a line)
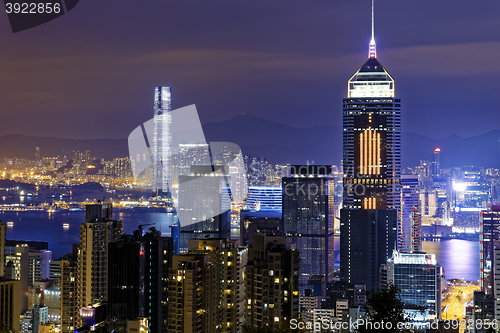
409, 199
162, 142
99, 229
372, 172
489, 239
436, 166
418, 275
307, 220
203, 195
271, 282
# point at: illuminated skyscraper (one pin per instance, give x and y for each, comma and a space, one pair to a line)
436, 167
307, 221
409, 199
372, 172
162, 142
489, 239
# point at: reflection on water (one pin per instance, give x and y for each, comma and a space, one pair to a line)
460, 258
62, 229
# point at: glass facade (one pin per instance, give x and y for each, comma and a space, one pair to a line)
264, 199
489, 237
307, 225
370, 221
162, 142
418, 277
409, 199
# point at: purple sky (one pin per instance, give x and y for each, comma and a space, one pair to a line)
91, 73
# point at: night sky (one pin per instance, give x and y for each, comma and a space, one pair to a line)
91, 73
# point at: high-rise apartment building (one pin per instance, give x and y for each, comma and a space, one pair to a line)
10, 303
82, 157
191, 294
162, 142
95, 234
372, 172
69, 301
229, 261
307, 221
122, 167
272, 284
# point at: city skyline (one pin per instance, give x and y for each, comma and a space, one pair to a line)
188, 234
308, 44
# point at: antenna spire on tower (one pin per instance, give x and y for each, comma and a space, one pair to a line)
372, 53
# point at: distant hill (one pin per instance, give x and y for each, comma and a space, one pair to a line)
279, 143
16, 145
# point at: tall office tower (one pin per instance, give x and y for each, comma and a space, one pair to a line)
10, 303
489, 239
435, 166
201, 199
190, 293
409, 199
123, 282
99, 229
68, 280
272, 284
229, 264
264, 198
156, 259
306, 220
370, 218
138, 279
162, 142
418, 275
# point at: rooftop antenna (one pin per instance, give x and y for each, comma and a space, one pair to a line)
372, 53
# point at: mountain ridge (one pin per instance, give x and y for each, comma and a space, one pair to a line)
278, 143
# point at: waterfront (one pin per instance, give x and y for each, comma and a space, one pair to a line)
50, 227
460, 258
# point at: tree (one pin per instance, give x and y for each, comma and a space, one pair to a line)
384, 310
